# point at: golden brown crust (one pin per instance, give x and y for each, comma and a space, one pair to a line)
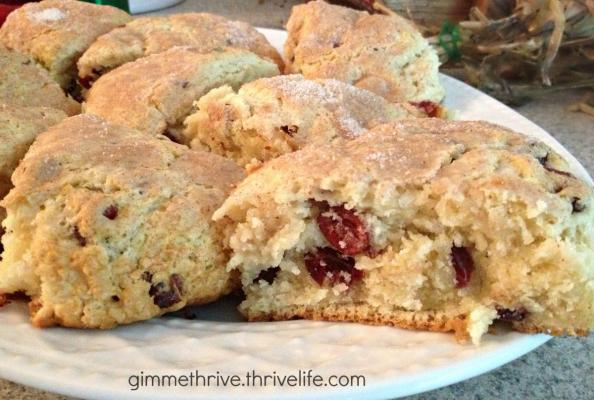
380, 53
23, 83
154, 94
144, 36
362, 313
55, 33
554, 331
425, 321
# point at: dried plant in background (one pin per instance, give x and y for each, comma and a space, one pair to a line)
516, 50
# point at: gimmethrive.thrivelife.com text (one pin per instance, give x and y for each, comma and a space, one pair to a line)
196, 379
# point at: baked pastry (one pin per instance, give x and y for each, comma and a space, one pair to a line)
107, 225
155, 94
23, 83
18, 128
380, 53
426, 224
55, 33
272, 116
145, 36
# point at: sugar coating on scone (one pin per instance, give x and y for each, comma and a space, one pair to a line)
380, 53
107, 225
155, 94
23, 83
18, 128
425, 224
55, 33
144, 36
273, 116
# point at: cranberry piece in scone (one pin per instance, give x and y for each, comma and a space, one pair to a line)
326, 264
463, 265
344, 229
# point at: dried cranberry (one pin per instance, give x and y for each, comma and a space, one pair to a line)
80, 238
166, 298
507, 315
430, 108
326, 263
463, 264
156, 288
147, 276
16, 296
290, 130
344, 230
269, 275
577, 206
111, 212
86, 81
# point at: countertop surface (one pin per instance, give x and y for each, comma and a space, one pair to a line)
563, 368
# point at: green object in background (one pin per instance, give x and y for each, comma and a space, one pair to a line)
449, 39
123, 4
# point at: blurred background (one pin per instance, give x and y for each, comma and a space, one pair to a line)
514, 50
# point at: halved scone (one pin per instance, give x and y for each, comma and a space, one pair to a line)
385, 54
424, 224
107, 225
150, 35
273, 116
156, 93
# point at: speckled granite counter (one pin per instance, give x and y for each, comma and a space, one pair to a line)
563, 368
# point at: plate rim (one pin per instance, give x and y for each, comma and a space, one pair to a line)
380, 388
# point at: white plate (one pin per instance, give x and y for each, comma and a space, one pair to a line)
97, 364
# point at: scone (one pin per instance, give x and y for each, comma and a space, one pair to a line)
380, 53
156, 93
57, 32
145, 36
23, 83
273, 116
425, 224
18, 128
107, 225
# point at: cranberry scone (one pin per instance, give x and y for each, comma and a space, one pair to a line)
151, 35
423, 224
156, 93
273, 116
23, 83
380, 53
55, 33
107, 225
